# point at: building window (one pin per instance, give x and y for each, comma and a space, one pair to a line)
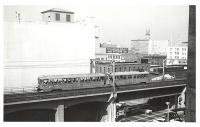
49, 18
57, 17
68, 18
170, 49
124, 68
170, 53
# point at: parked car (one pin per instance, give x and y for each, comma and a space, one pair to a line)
166, 77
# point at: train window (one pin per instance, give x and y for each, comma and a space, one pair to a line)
124, 68
129, 68
82, 79
138, 76
108, 69
134, 76
102, 78
124, 77
129, 76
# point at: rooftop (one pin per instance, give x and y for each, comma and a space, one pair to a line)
117, 63
130, 73
57, 10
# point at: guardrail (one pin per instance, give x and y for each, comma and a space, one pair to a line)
16, 90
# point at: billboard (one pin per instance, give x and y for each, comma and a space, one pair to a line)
116, 50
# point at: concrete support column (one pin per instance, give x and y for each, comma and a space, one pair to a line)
59, 115
109, 111
114, 111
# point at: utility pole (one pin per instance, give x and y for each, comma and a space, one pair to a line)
114, 94
164, 68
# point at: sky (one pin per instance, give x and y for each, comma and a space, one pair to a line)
119, 24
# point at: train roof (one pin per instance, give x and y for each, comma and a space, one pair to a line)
88, 75
130, 73
71, 76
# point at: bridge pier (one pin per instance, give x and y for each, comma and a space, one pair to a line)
59, 115
110, 110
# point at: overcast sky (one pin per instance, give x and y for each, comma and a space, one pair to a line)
120, 24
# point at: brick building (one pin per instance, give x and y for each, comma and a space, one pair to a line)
107, 67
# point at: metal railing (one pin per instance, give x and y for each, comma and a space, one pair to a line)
17, 90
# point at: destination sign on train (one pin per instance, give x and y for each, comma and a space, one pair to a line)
116, 50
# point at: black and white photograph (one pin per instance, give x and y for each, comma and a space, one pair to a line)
99, 62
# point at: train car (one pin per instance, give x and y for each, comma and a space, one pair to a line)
132, 77
70, 81
78, 81
159, 70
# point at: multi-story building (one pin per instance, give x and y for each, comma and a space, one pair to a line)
158, 47
56, 47
107, 67
149, 46
109, 52
140, 46
57, 15
177, 55
155, 59
132, 57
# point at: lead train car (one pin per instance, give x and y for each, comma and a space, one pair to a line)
70, 81
78, 81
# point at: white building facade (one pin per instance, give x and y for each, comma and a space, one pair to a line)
177, 55
158, 47
109, 52
33, 49
149, 46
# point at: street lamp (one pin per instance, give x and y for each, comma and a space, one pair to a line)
167, 103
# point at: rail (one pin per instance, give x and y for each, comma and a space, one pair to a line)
42, 96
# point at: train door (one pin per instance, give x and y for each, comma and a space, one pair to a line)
129, 78
134, 78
